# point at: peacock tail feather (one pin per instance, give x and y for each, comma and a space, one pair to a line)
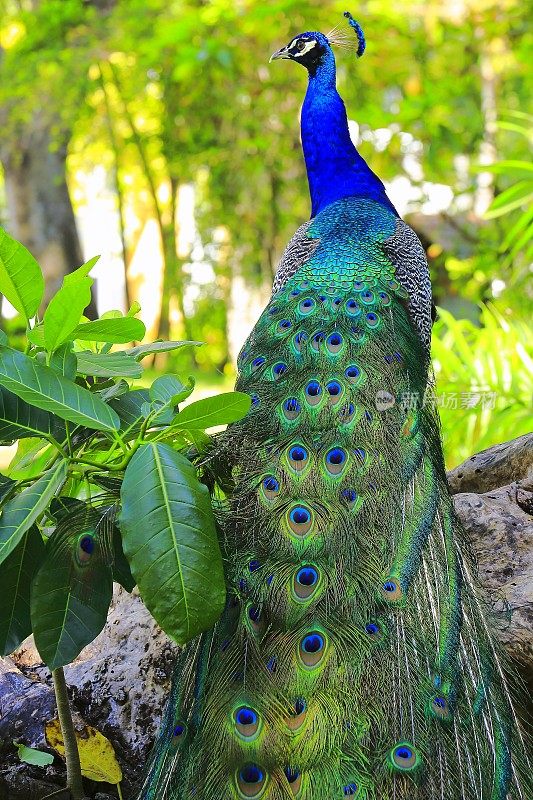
353, 657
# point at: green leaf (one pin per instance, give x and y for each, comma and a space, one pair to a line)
169, 390
33, 456
36, 335
169, 538
143, 350
114, 390
3, 337
69, 604
42, 387
81, 273
218, 410
121, 568
515, 196
129, 409
134, 309
64, 311
21, 280
19, 420
108, 365
19, 513
119, 331
166, 392
16, 575
506, 167
64, 362
6, 486
38, 758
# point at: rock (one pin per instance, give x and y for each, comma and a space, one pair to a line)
510, 462
501, 535
24, 704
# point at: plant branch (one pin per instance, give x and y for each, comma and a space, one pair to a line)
72, 756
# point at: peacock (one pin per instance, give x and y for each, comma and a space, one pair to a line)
354, 656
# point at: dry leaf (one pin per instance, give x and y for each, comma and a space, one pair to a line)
97, 757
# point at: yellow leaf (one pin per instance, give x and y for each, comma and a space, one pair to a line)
97, 757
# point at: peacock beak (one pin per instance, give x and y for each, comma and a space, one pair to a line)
283, 52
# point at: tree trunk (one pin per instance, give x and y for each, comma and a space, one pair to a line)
40, 213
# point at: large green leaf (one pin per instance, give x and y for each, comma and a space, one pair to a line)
218, 410
165, 393
120, 330
169, 390
64, 311
64, 361
19, 513
81, 273
6, 486
42, 387
129, 408
19, 420
143, 350
108, 365
21, 280
67, 612
518, 194
32, 457
16, 575
170, 541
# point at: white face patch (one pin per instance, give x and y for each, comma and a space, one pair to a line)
296, 53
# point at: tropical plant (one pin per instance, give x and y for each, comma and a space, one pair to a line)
484, 377
93, 449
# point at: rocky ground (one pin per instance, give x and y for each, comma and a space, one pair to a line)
119, 683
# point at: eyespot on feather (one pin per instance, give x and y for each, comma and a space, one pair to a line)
178, 733
313, 393
404, 757
278, 370
300, 520
294, 779
247, 722
334, 343
306, 306
306, 582
335, 461
251, 780
270, 487
298, 341
352, 308
298, 457
335, 390
312, 649
350, 789
85, 548
347, 413
391, 591
317, 339
298, 716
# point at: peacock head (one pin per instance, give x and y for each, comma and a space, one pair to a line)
308, 49
312, 48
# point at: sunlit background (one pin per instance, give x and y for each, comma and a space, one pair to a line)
156, 133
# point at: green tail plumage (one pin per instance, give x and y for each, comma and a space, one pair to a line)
353, 658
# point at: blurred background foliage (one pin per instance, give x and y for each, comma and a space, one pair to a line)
156, 133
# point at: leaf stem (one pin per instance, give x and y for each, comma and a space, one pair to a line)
72, 756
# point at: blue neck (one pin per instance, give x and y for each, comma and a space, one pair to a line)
335, 170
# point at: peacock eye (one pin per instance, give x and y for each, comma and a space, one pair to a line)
300, 44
